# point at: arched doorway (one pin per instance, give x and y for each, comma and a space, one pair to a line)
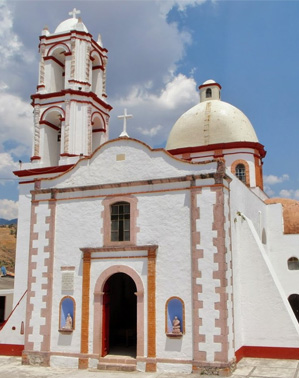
119, 323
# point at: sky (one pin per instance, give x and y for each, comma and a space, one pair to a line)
160, 51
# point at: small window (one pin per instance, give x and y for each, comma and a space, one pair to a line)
208, 93
293, 263
241, 173
120, 221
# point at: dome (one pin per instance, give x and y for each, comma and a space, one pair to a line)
71, 24
212, 121
290, 213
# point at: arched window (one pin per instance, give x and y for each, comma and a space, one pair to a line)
175, 317
208, 93
293, 263
241, 172
294, 302
120, 221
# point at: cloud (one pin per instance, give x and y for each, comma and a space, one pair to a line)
16, 124
151, 132
8, 209
289, 193
272, 179
167, 5
269, 191
155, 114
10, 43
7, 165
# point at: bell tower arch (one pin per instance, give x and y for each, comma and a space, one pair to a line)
71, 112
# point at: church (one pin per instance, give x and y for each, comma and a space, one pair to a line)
139, 258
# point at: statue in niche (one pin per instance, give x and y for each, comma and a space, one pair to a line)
176, 326
68, 322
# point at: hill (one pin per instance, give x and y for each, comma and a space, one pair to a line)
8, 239
5, 221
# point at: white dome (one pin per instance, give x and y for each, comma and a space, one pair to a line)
210, 122
71, 24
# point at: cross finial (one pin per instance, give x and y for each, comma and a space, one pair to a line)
74, 12
125, 116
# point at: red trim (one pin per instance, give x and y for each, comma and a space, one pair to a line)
42, 171
11, 349
58, 108
68, 155
98, 47
59, 43
40, 86
220, 146
98, 130
79, 82
49, 124
97, 68
267, 352
67, 34
55, 60
209, 85
35, 158
41, 96
26, 182
71, 35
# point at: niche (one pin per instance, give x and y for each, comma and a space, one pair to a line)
67, 315
174, 317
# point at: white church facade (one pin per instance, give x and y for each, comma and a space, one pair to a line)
147, 259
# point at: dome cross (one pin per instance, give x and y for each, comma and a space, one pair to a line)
74, 12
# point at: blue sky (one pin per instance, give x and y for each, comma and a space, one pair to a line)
159, 52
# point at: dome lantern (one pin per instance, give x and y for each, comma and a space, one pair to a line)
209, 90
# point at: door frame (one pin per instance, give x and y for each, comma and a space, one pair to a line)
99, 304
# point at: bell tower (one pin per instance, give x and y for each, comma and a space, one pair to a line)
71, 113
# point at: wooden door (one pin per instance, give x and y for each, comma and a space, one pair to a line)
106, 321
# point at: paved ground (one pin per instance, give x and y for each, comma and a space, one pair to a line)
249, 367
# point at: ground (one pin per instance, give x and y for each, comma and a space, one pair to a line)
248, 367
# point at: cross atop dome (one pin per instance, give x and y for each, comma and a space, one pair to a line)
74, 12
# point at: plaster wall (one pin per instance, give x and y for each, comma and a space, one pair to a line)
267, 320
242, 200
8, 303
78, 129
173, 262
39, 278
79, 224
22, 247
80, 62
138, 162
11, 333
280, 248
229, 276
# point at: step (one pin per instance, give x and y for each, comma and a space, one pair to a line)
116, 366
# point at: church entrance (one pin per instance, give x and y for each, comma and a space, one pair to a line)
119, 327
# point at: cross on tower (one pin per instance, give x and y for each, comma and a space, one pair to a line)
125, 116
74, 12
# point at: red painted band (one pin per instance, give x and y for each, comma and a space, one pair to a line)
267, 352
11, 349
220, 146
